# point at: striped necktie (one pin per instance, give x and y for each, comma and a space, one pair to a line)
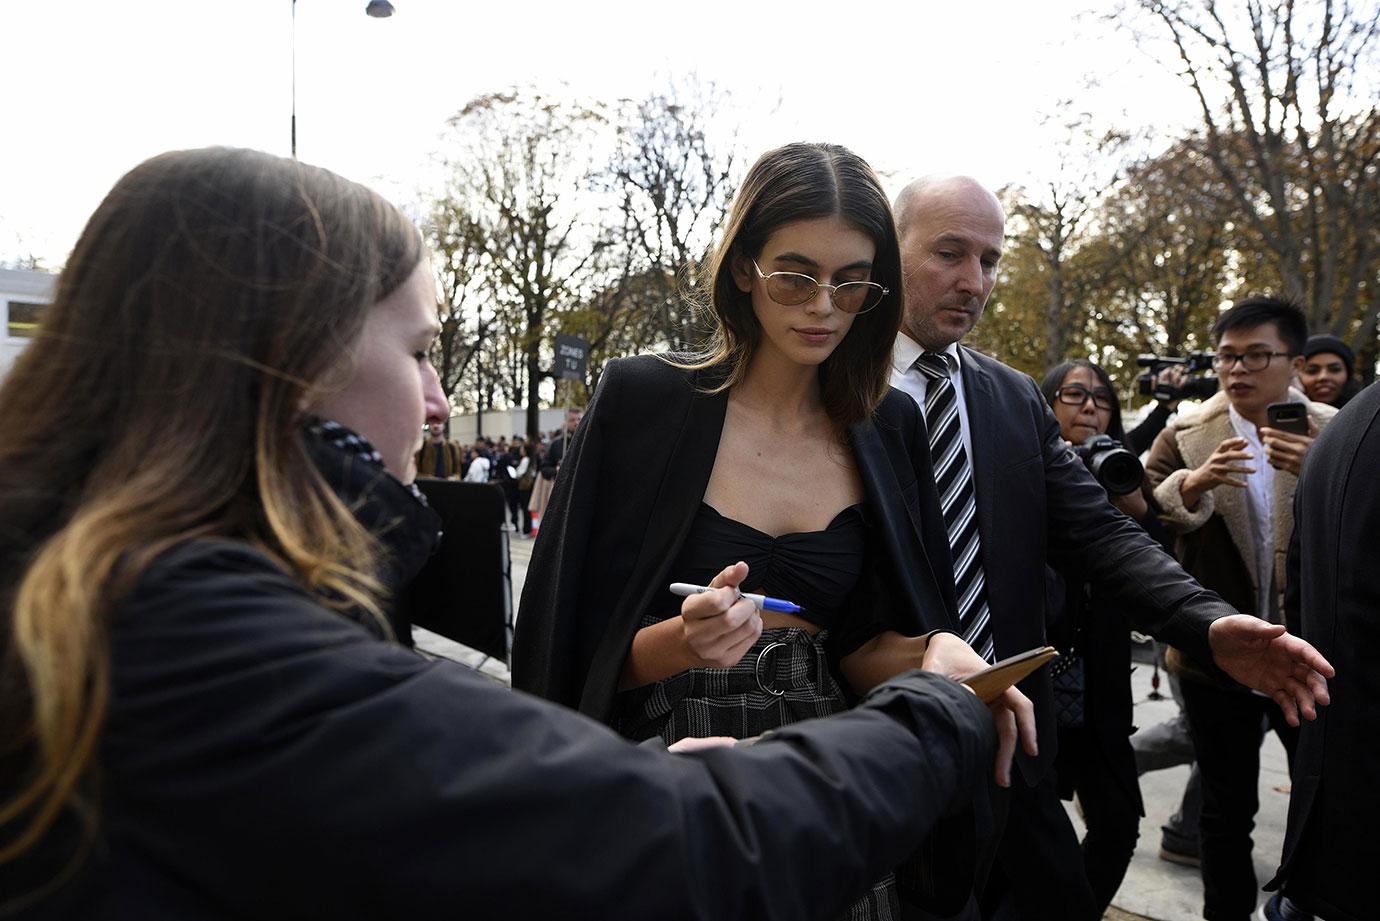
953, 476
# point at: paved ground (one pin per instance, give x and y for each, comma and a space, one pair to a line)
1164, 891
1153, 889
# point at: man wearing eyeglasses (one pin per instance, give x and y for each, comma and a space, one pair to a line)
1225, 479
1015, 499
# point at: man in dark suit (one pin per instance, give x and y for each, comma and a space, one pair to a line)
555, 454
1014, 499
1333, 600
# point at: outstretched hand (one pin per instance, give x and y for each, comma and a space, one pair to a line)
1263, 656
1229, 465
1013, 713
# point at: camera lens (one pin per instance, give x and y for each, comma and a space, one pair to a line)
1118, 470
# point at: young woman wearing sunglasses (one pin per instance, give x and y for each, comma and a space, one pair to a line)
775, 461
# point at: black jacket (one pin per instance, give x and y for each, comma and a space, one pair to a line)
1101, 635
1333, 601
264, 757
1037, 504
633, 477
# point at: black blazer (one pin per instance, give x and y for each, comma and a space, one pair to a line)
1330, 846
1104, 642
1037, 503
634, 475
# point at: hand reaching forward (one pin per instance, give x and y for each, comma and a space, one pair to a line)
1228, 465
721, 626
948, 655
1263, 656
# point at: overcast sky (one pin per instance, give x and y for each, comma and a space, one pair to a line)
96, 86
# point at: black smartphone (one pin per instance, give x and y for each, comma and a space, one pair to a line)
1288, 417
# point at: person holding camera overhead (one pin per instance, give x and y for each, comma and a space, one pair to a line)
1092, 685
1170, 381
1224, 478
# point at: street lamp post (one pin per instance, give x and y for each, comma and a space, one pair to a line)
294, 79
378, 9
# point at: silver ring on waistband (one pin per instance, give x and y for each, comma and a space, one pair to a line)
757, 669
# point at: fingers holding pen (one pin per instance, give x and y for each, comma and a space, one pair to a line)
731, 576
721, 640
720, 626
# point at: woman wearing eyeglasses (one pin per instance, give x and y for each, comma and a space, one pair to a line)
1085, 403
1095, 758
777, 461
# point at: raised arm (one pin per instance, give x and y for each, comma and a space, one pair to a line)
376, 782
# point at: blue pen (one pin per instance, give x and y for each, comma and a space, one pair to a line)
685, 590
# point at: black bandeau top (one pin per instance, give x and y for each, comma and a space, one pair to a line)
817, 570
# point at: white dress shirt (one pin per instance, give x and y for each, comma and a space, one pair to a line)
1260, 500
906, 377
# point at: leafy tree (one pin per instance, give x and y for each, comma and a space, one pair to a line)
1289, 122
524, 172
1058, 217
674, 186
466, 324
1142, 268
1171, 263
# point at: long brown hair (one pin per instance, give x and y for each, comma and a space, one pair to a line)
212, 294
800, 182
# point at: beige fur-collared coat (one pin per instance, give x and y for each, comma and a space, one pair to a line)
1214, 541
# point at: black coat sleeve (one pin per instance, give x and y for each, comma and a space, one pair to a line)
274, 757
1142, 436
1293, 617
907, 581
554, 625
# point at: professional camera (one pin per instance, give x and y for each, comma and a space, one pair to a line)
1119, 471
1198, 385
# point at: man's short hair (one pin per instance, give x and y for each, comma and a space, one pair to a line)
1261, 309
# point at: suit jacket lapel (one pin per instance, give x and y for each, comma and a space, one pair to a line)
876, 472
908, 540
980, 400
686, 476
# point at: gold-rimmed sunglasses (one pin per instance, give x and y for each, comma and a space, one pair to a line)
791, 289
